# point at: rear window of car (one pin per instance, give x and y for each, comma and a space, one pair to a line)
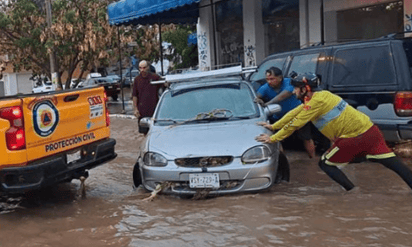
407, 46
363, 66
306, 63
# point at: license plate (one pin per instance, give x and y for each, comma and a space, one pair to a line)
204, 180
73, 157
110, 87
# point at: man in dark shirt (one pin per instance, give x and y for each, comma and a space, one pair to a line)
145, 95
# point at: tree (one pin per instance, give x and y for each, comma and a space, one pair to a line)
183, 54
80, 36
148, 41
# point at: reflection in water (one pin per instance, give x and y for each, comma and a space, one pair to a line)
311, 210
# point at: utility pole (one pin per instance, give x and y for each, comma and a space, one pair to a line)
54, 73
121, 69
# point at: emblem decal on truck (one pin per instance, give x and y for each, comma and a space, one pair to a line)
96, 106
45, 118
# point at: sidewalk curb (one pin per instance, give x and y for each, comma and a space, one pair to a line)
122, 116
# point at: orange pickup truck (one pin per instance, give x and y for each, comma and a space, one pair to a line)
54, 137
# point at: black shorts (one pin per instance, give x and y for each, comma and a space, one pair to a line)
305, 133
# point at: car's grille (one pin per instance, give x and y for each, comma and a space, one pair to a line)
212, 161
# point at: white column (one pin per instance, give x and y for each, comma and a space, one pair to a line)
253, 34
310, 22
205, 36
407, 17
10, 81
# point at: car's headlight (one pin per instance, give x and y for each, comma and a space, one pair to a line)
154, 159
256, 154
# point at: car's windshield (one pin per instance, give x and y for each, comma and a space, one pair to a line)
231, 101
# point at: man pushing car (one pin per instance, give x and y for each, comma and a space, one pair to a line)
352, 133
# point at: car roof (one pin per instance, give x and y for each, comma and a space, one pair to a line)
102, 79
387, 38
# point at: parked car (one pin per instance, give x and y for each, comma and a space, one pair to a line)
115, 77
42, 85
374, 76
112, 88
202, 136
129, 77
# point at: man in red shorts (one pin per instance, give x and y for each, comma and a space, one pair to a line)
352, 133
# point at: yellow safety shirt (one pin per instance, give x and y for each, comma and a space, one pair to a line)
329, 113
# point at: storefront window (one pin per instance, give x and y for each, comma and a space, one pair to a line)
229, 25
369, 22
281, 22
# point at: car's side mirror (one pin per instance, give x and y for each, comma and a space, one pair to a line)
144, 125
272, 109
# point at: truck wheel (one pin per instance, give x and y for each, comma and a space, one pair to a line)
114, 97
137, 176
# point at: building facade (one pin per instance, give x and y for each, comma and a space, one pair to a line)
246, 31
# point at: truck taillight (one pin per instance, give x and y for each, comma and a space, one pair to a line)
15, 136
107, 110
403, 104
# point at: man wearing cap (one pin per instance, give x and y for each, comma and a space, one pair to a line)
352, 133
278, 90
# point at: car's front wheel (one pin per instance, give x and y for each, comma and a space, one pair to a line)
283, 172
137, 176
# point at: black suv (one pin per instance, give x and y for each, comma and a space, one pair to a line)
374, 76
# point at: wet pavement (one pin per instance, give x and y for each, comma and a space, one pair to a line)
123, 105
310, 210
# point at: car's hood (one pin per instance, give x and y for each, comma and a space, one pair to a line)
216, 138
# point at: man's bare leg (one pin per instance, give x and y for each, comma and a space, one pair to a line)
310, 147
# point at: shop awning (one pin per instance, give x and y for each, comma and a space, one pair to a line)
134, 12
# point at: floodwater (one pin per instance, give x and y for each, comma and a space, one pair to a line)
311, 210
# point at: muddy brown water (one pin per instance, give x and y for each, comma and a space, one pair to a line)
310, 210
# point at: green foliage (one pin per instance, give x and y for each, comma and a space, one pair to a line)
183, 55
79, 36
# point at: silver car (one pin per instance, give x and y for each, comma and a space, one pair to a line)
202, 137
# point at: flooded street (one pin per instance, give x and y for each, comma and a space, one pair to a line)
311, 210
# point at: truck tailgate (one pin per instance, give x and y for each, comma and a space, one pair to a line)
9, 157
64, 121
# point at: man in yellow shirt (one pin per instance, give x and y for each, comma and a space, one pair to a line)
352, 133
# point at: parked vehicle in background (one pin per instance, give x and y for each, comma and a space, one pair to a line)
202, 136
53, 137
129, 77
374, 76
111, 87
115, 77
41, 84
93, 75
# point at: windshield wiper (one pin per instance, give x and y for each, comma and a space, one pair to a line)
165, 120
214, 115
